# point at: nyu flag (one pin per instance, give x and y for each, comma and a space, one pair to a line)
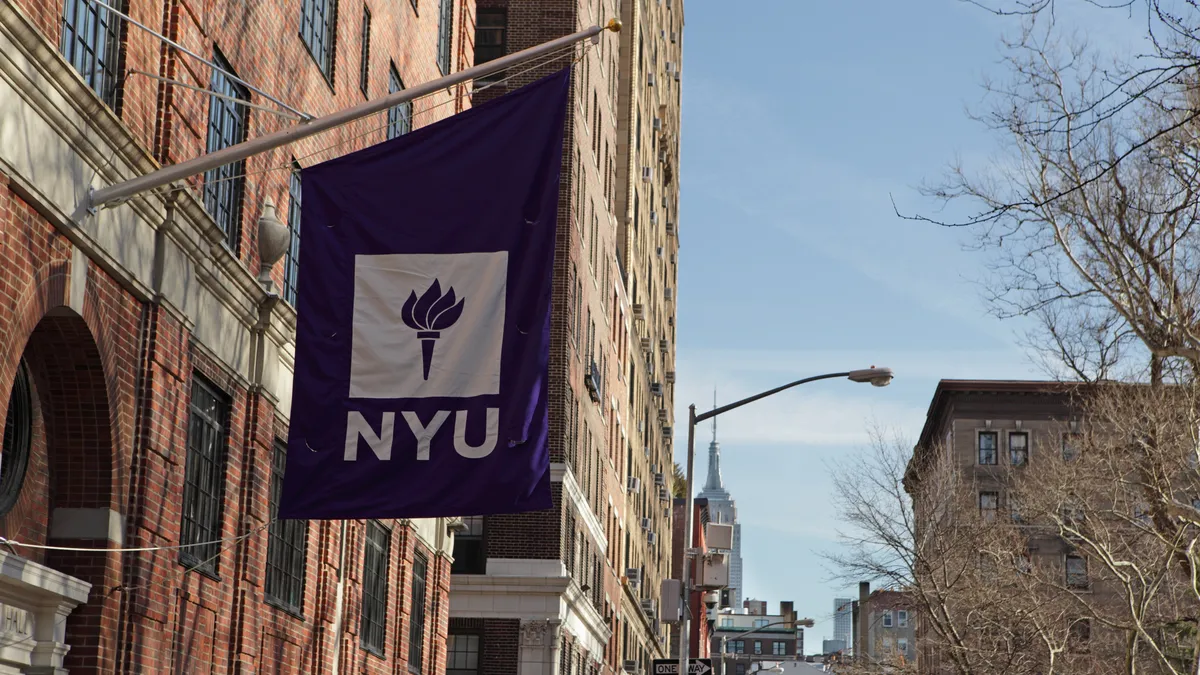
423, 319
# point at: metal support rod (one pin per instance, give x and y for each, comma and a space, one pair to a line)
170, 174
201, 59
737, 404
686, 627
210, 92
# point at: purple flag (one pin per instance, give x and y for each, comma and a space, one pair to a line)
423, 319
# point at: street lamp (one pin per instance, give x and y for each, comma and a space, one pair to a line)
879, 377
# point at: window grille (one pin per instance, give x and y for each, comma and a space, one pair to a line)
204, 476
287, 546
223, 186
416, 625
318, 29
91, 37
376, 560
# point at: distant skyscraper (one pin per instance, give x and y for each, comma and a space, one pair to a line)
722, 509
843, 620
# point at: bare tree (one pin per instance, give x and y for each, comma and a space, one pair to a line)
1091, 222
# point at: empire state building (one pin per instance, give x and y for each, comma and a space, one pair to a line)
722, 509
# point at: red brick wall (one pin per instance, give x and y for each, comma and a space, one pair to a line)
500, 641
113, 382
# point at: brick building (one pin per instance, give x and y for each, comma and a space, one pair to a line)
576, 589
145, 386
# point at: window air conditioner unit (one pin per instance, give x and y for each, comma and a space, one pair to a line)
657, 124
662, 414
634, 484
674, 37
670, 67
647, 173
656, 389
670, 321
670, 228
645, 344
651, 537
662, 159
660, 479
634, 575
664, 495
667, 431
645, 522
639, 310
658, 251
649, 79
650, 607
663, 344
593, 383
629, 666
669, 293
654, 216
669, 376
677, 76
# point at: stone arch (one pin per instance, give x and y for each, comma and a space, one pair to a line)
72, 495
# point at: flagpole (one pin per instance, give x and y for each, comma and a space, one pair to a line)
166, 175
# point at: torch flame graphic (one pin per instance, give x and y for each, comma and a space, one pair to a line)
429, 315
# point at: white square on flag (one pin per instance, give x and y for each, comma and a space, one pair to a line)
438, 346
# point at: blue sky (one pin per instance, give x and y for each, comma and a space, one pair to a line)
802, 120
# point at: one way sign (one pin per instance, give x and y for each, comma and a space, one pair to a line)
671, 667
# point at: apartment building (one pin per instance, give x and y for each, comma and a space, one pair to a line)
993, 431
576, 589
891, 628
742, 640
146, 380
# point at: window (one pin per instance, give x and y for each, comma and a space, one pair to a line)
1018, 448
738, 646
18, 435
291, 268
1025, 562
317, 29
987, 447
462, 655
416, 625
399, 120
1014, 508
1077, 572
902, 618
1070, 446
204, 477
726, 622
364, 54
91, 37
887, 618
491, 37
226, 127
445, 30
376, 560
759, 623
287, 546
989, 502
758, 646
739, 669
1079, 636
902, 645
778, 648
469, 554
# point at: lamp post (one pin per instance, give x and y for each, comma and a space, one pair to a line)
742, 634
879, 377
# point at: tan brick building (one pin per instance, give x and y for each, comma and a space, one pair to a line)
575, 589
145, 380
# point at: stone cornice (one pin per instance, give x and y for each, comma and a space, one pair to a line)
561, 473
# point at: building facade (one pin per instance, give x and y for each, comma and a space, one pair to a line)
722, 509
576, 588
843, 621
891, 628
699, 626
147, 382
991, 432
740, 640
